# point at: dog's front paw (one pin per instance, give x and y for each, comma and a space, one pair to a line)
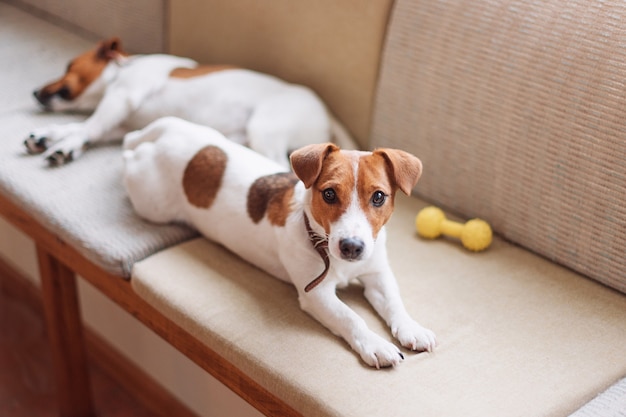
415, 337
39, 140
377, 352
42, 139
35, 144
59, 157
66, 150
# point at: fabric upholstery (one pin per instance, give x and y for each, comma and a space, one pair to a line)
83, 202
517, 111
611, 403
519, 335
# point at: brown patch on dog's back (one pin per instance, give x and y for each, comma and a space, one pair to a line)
271, 194
199, 70
203, 175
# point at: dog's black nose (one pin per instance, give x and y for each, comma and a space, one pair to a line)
351, 248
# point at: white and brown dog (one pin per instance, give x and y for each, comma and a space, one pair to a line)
318, 227
127, 92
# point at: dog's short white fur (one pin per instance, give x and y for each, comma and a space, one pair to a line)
178, 171
126, 92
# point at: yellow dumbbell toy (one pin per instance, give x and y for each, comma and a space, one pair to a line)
475, 235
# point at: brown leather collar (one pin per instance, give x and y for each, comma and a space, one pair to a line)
320, 244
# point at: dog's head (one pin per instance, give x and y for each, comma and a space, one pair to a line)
82, 86
352, 192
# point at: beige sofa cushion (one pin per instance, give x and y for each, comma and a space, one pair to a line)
517, 111
519, 335
331, 46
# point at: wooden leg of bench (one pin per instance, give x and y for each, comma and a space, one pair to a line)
65, 333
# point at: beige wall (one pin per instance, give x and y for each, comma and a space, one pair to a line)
331, 46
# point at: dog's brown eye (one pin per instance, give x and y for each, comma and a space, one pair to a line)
329, 196
378, 198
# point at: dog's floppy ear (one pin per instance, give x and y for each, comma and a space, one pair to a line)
307, 162
403, 168
110, 49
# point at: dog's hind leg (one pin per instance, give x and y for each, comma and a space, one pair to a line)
155, 159
145, 178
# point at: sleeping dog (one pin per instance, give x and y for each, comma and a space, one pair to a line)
127, 92
318, 227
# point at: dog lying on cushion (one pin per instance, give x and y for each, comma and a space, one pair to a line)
318, 227
126, 92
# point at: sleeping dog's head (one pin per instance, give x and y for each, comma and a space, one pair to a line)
84, 81
351, 193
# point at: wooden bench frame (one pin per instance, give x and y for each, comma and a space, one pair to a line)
59, 265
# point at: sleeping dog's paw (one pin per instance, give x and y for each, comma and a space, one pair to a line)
66, 150
59, 157
61, 143
35, 144
415, 337
377, 352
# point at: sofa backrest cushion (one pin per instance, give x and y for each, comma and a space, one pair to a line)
517, 112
